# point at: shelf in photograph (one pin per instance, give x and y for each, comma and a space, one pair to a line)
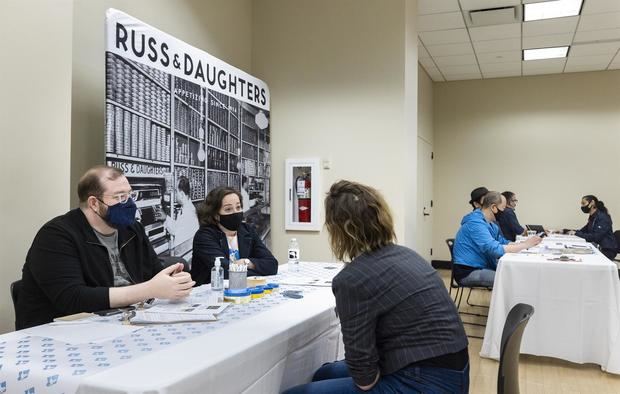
214, 170
137, 159
177, 97
145, 74
249, 126
187, 135
110, 101
216, 147
219, 101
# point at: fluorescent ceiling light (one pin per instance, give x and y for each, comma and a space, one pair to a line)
551, 9
544, 53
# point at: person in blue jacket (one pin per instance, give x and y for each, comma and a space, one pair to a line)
507, 221
599, 227
479, 243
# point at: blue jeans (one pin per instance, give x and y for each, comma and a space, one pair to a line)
483, 278
334, 378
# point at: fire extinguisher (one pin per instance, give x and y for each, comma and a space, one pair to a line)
302, 190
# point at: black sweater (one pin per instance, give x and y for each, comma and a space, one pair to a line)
68, 270
210, 242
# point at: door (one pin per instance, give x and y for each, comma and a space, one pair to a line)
424, 210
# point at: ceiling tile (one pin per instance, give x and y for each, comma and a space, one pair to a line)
571, 68
485, 4
444, 37
513, 67
460, 69
551, 40
601, 48
610, 20
457, 60
497, 45
462, 77
550, 26
541, 71
502, 74
551, 65
614, 66
512, 30
598, 6
592, 59
597, 35
445, 21
422, 52
451, 49
435, 74
499, 57
437, 6
427, 62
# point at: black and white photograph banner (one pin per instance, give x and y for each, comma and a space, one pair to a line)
180, 122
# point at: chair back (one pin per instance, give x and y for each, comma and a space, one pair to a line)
16, 288
617, 236
450, 243
508, 373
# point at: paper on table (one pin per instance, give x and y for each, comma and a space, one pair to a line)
189, 308
305, 281
147, 317
80, 331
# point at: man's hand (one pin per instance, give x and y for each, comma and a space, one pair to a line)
171, 283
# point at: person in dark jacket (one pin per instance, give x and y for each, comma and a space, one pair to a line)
222, 233
599, 227
508, 222
400, 328
95, 257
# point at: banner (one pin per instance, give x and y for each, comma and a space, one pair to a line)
180, 122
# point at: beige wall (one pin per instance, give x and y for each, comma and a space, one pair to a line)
35, 111
425, 106
550, 139
336, 71
223, 28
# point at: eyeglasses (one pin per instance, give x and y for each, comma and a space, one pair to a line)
123, 197
515, 200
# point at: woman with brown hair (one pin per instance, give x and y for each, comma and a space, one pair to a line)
401, 331
222, 233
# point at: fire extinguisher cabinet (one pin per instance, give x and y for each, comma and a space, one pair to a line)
302, 183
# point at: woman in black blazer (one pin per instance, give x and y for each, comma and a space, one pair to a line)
222, 233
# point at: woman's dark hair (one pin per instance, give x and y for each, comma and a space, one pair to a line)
600, 206
508, 195
210, 208
358, 220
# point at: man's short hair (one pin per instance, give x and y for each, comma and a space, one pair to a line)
184, 185
90, 183
492, 198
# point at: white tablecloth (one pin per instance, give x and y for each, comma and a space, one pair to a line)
264, 347
577, 307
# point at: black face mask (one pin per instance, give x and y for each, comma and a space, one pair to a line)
498, 214
231, 222
585, 209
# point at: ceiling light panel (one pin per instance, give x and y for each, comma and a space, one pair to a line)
544, 53
551, 9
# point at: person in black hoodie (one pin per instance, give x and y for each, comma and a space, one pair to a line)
223, 234
94, 257
599, 227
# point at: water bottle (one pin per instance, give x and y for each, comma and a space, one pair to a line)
293, 255
217, 276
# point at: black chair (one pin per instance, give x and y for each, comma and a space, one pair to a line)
167, 261
617, 259
460, 289
16, 288
508, 372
